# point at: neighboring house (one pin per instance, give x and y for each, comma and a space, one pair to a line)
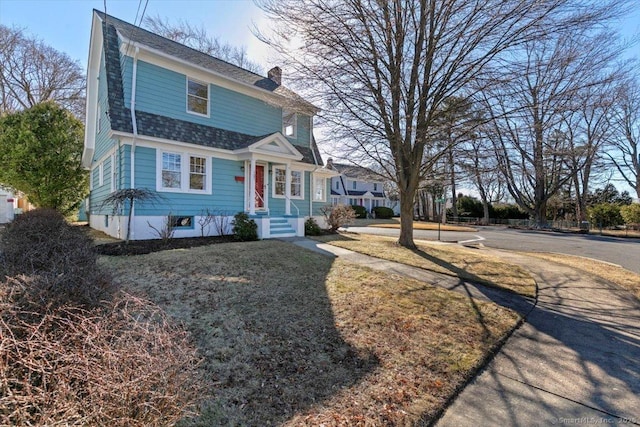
8, 206
202, 133
357, 185
12, 204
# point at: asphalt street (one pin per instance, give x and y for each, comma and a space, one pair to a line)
621, 251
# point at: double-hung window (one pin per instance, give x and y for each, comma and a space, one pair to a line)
171, 170
289, 124
182, 172
197, 173
296, 184
319, 189
280, 183
197, 97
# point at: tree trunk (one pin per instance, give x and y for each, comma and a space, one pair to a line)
452, 181
406, 220
485, 211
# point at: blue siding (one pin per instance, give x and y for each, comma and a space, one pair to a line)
103, 142
100, 192
303, 131
228, 195
161, 91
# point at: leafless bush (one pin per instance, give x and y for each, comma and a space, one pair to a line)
205, 220
218, 219
40, 243
338, 216
222, 222
124, 364
166, 231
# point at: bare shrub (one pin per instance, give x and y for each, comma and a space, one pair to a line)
338, 216
221, 222
166, 231
124, 364
205, 220
41, 243
218, 219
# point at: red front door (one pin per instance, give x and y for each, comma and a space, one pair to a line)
259, 196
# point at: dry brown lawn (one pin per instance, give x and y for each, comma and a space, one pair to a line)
452, 260
291, 337
615, 274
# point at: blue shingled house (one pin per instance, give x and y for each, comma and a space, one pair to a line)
202, 133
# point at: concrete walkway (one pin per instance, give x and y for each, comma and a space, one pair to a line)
576, 360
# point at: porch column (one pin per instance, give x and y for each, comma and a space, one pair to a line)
252, 188
287, 190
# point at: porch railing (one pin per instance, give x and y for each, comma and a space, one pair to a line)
264, 205
294, 205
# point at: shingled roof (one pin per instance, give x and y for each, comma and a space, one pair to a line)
154, 125
353, 171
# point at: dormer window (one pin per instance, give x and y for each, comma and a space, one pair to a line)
289, 124
197, 97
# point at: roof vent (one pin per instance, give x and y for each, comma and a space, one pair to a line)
275, 74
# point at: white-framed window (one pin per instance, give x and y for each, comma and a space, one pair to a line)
353, 185
183, 172
319, 189
197, 97
279, 183
337, 185
114, 172
171, 170
289, 124
101, 175
197, 173
296, 184
375, 187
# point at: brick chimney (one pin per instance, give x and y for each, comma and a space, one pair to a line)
329, 163
275, 74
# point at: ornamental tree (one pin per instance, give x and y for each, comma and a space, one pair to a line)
40, 152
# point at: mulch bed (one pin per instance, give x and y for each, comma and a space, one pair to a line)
140, 247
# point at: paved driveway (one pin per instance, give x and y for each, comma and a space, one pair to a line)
624, 252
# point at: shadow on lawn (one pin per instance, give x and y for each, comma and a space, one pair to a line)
265, 326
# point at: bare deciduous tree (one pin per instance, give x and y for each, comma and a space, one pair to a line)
383, 69
198, 39
531, 109
626, 143
32, 72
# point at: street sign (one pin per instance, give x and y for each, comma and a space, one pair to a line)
441, 200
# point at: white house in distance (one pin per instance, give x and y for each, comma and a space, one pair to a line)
8, 205
357, 185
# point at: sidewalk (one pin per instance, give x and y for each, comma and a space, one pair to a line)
576, 360
520, 304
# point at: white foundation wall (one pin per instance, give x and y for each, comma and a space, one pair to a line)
321, 221
142, 227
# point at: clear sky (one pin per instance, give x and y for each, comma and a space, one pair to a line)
66, 24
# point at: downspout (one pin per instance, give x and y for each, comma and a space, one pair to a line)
311, 189
134, 125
